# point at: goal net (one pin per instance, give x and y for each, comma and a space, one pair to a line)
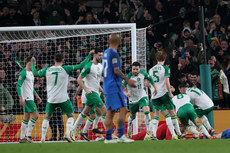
75, 42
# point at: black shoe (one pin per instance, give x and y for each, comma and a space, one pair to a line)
53, 139
61, 139
29, 139
24, 140
97, 131
84, 136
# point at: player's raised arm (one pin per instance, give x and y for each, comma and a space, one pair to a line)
40, 73
83, 63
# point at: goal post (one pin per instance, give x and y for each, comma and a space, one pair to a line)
75, 41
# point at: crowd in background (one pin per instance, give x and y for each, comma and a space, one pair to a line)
172, 26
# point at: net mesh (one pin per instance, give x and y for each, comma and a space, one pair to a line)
15, 46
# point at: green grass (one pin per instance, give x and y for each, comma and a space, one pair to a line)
180, 146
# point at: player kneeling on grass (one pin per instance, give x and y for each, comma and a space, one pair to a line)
57, 79
185, 112
201, 101
26, 92
91, 74
137, 96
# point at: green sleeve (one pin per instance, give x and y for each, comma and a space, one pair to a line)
167, 71
34, 92
71, 68
40, 73
86, 69
21, 78
148, 77
128, 76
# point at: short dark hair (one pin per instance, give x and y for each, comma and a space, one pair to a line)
183, 85
28, 59
59, 57
136, 64
98, 50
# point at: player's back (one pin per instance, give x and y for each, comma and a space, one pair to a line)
158, 73
112, 83
57, 82
181, 100
199, 98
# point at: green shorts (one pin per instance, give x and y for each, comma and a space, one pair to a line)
186, 113
66, 107
164, 101
141, 103
29, 106
162, 108
93, 100
201, 112
93, 109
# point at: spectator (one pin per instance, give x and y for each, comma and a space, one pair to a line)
55, 18
6, 99
194, 79
14, 18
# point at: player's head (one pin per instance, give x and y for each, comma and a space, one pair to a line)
161, 56
114, 39
98, 54
28, 62
183, 87
59, 58
136, 68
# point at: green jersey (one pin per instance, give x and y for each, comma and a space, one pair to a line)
138, 92
57, 79
25, 85
92, 73
159, 73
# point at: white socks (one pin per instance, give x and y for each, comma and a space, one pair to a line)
69, 125
45, 125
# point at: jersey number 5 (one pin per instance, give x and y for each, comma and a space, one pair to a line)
157, 77
105, 67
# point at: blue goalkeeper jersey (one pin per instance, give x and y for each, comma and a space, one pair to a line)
226, 134
112, 82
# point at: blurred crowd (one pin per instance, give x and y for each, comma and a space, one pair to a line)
172, 26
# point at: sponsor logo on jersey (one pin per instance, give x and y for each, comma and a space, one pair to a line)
114, 60
138, 79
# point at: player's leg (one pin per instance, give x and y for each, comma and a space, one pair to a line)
170, 107
193, 117
24, 126
201, 114
156, 115
95, 124
31, 124
88, 123
133, 108
109, 124
101, 110
144, 104
192, 128
169, 123
201, 128
50, 108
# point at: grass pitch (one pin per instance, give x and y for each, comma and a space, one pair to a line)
163, 146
